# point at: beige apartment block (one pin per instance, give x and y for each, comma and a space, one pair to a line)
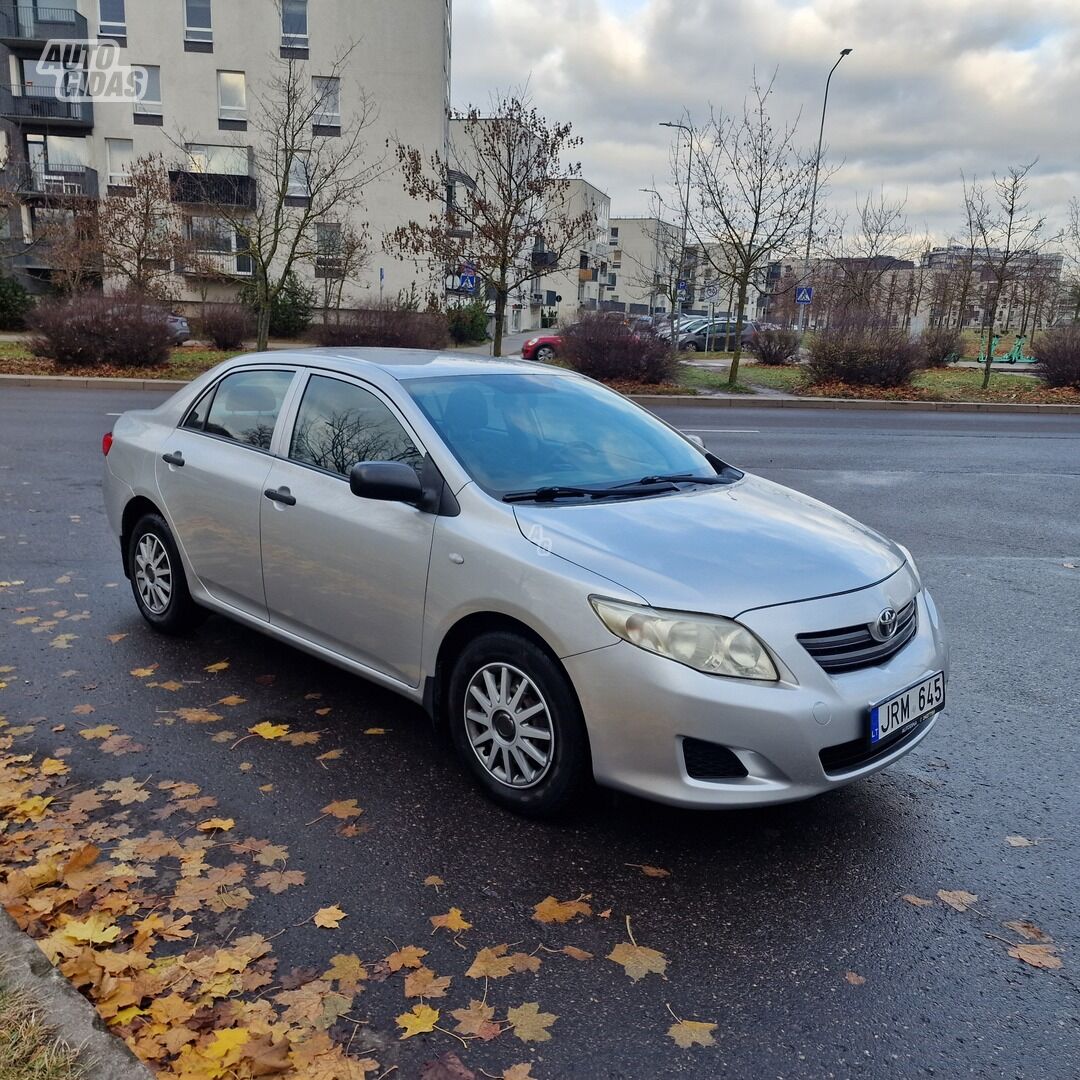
210, 64
643, 264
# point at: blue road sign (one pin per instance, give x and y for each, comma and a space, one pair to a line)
804, 294
467, 281
683, 289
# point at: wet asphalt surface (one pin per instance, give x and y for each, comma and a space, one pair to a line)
764, 912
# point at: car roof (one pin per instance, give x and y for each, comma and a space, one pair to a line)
400, 364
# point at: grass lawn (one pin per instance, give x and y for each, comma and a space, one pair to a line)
28, 1050
938, 384
16, 359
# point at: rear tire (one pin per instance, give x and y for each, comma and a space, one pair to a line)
517, 726
158, 582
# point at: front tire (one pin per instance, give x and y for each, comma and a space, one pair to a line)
158, 582
517, 725
545, 354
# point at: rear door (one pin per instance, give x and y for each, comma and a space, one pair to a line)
346, 573
211, 475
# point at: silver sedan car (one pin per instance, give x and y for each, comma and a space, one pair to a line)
573, 588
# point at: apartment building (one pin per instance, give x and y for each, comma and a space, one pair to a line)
643, 267
210, 65
586, 288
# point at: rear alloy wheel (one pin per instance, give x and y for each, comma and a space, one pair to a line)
690, 346
157, 577
517, 726
545, 354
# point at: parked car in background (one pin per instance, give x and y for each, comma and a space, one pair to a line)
543, 348
719, 337
574, 589
178, 327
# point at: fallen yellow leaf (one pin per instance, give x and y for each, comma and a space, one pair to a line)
266, 730
329, 917
957, 899
1037, 956
210, 824
232, 699
550, 910
638, 961
687, 1033
529, 1023
419, 1020
452, 921
221, 665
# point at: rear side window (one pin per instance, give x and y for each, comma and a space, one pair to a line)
245, 407
340, 424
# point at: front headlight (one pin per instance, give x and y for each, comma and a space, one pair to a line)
708, 643
531, 342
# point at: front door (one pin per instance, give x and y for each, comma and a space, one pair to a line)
212, 473
349, 574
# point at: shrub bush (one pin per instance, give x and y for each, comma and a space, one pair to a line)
468, 323
15, 304
774, 347
602, 346
1058, 351
90, 330
941, 345
227, 326
291, 313
383, 327
864, 354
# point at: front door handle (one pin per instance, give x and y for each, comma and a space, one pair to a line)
175, 458
280, 495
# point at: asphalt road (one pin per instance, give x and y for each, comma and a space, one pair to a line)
764, 912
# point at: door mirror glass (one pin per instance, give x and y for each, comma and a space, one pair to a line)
387, 481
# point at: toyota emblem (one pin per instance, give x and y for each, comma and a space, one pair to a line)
884, 627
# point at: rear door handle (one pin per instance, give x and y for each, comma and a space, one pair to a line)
175, 458
280, 495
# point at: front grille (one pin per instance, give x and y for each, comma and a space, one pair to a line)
853, 647
711, 761
853, 755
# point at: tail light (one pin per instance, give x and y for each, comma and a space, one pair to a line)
106, 443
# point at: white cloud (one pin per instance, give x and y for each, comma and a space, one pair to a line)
933, 87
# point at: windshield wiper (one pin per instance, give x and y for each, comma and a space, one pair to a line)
550, 494
679, 478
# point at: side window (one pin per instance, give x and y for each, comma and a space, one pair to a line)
196, 418
246, 406
340, 424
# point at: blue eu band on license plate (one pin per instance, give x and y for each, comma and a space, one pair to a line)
892, 716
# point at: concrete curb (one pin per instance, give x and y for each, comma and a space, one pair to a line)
747, 401
68, 1014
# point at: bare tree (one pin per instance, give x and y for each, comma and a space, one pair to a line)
343, 253
753, 189
1072, 259
1010, 236
69, 239
300, 176
502, 201
657, 271
142, 230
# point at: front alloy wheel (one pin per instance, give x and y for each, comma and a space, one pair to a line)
516, 724
545, 354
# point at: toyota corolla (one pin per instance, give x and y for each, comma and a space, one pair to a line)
576, 590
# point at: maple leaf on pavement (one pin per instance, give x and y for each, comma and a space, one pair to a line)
1037, 956
126, 791
452, 921
521, 1071
1028, 930
550, 910
408, 957
957, 899
102, 731
231, 700
638, 961
95, 929
420, 1019
576, 953
917, 901
494, 963
529, 1023
277, 881
342, 809
266, 730
210, 824
144, 672
347, 971
424, 983
329, 917
221, 665
477, 1020
687, 1033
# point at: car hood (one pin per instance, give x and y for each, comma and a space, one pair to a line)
723, 550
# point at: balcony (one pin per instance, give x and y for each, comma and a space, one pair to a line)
218, 264
586, 275
42, 106
212, 189
544, 260
29, 26
53, 181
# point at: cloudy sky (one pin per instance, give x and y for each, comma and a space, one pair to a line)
932, 88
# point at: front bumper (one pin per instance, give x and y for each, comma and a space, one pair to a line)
639, 707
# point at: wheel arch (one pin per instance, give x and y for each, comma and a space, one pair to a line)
136, 508
459, 635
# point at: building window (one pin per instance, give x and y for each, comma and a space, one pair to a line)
220, 246
198, 27
232, 97
218, 160
112, 19
151, 103
328, 253
294, 26
327, 94
299, 180
121, 156
614, 233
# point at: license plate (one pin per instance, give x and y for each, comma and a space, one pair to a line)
894, 714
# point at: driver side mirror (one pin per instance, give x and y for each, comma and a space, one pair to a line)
386, 481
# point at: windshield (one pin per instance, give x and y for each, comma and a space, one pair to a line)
519, 432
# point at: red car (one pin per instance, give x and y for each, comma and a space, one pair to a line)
543, 347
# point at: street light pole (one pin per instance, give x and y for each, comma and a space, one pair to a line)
686, 215
817, 169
